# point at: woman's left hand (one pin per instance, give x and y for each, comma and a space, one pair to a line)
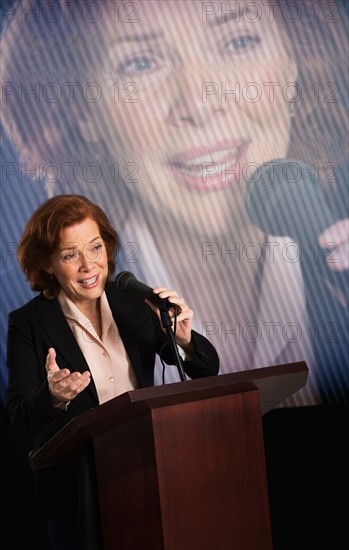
183, 318
338, 236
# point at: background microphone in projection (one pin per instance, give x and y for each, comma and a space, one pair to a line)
285, 197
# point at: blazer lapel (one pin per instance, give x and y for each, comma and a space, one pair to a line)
126, 320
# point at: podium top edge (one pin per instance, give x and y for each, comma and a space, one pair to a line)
274, 383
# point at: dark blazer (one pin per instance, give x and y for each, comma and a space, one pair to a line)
41, 324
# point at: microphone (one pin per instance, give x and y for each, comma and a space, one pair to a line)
126, 282
285, 197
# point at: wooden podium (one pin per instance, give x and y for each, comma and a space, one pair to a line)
182, 466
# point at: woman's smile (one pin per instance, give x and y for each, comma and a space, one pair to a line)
212, 167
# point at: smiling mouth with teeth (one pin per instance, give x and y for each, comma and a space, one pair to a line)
211, 170
221, 159
89, 281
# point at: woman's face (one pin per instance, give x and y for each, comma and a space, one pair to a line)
81, 263
196, 97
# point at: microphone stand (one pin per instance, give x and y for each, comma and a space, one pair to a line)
166, 323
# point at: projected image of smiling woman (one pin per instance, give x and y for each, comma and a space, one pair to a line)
183, 126
160, 111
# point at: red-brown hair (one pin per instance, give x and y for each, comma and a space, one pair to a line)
42, 237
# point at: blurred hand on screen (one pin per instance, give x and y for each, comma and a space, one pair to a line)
337, 235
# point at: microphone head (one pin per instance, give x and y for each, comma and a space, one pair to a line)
285, 197
127, 282
123, 279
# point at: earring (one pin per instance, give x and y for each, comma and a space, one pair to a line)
292, 109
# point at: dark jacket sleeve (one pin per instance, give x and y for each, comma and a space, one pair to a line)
203, 362
28, 405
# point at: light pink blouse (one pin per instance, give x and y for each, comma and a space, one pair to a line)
106, 357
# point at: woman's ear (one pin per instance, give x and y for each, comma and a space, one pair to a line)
88, 121
89, 129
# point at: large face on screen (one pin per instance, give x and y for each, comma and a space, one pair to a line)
201, 97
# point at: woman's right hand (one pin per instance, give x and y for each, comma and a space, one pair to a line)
64, 385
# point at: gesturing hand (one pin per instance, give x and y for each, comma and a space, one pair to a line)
64, 385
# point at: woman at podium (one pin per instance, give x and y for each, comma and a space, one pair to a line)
81, 341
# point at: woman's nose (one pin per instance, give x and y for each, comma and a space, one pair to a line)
195, 99
86, 261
